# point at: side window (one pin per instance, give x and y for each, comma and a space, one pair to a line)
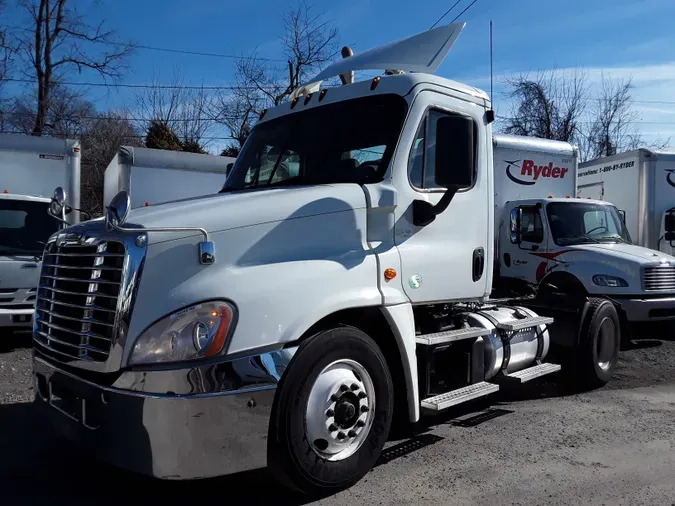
272, 166
531, 226
423, 154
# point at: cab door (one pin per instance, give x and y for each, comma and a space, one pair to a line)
525, 256
447, 258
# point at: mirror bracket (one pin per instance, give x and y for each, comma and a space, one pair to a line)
425, 213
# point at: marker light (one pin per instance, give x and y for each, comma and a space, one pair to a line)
375, 82
308, 98
389, 274
322, 94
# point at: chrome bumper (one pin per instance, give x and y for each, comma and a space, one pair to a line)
648, 310
170, 436
16, 318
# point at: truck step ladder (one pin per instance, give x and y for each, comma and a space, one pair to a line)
450, 336
454, 397
525, 375
524, 323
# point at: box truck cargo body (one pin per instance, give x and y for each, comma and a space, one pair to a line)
642, 184
30, 169
156, 175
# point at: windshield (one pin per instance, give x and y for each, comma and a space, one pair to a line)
346, 142
25, 226
577, 223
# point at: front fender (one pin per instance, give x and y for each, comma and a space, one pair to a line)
585, 270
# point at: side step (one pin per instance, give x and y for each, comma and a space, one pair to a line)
531, 373
450, 336
454, 397
524, 323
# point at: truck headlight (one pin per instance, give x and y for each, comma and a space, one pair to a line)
610, 281
199, 331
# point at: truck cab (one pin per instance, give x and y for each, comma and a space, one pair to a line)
339, 283
583, 246
25, 226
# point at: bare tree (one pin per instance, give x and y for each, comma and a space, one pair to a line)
58, 39
186, 110
549, 106
613, 126
100, 143
309, 42
67, 117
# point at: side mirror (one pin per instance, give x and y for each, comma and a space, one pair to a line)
455, 152
622, 214
516, 218
669, 223
58, 203
116, 213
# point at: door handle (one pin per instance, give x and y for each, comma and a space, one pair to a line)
478, 263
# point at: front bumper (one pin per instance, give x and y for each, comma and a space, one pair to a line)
17, 318
170, 436
639, 309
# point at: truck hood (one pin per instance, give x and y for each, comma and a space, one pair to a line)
627, 252
18, 271
225, 211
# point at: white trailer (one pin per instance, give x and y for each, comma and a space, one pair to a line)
154, 176
30, 169
641, 183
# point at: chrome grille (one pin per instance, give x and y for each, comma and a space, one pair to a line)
658, 277
77, 300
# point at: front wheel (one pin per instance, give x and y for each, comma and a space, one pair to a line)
332, 412
599, 343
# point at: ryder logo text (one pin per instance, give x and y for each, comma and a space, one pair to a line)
529, 172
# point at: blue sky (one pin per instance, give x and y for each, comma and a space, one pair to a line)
625, 38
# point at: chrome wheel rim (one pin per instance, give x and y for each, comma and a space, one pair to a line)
340, 410
606, 344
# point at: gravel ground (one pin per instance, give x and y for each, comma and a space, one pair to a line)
541, 445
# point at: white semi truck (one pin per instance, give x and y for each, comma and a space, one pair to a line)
340, 282
153, 176
571, 249
641, 183
30, 169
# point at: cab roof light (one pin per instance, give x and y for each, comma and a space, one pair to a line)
550, 196
262, 113
6, 191
375, 82
322, 95
308, 98
567, 196
294, 102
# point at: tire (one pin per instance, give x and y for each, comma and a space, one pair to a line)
599, 343
301, 454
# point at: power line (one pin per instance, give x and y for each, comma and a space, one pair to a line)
458, 15
558, 97
444, 14
202, 53
140, 86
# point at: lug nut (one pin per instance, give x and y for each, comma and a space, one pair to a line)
360, 423
330, 412
362, 395
334, 398
344, 388
332, 427
341, 435
355, 387
365, 409
352, 433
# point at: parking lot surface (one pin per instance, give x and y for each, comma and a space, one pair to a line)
541, 445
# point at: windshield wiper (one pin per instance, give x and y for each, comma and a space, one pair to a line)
572, 240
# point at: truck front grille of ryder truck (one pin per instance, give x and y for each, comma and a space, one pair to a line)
77, 300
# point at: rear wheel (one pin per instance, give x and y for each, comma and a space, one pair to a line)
332, 412
599, 343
